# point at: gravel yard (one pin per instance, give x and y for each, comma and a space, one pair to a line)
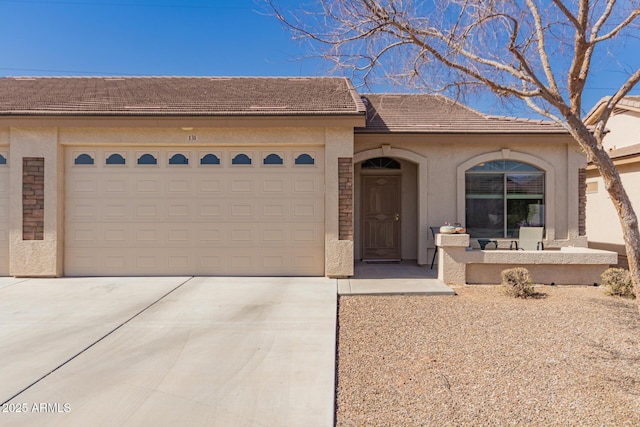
568, 358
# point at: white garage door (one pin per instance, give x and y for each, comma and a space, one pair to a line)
4, 213
162, 211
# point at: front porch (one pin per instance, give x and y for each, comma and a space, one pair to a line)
406, 277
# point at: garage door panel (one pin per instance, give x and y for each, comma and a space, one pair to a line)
180, 187
308, 185
191, 219
208, 186
307, 210
276, 186
216, 261
87, 186
115, 187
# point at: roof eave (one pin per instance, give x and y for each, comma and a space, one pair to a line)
461, 132
351, 120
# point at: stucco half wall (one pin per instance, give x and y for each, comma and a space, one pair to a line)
459, 264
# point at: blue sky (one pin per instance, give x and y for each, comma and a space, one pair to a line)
174, 37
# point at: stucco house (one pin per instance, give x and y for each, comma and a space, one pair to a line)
623, 144
262, 176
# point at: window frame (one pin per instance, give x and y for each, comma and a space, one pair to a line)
506, 196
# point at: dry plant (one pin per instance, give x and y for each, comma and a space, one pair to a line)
618, 282
517, 282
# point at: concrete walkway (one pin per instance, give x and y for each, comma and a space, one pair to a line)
175, 351
393, 278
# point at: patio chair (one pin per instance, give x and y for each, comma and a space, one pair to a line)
434, 231
530, 239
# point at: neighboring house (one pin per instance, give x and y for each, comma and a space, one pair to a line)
623, 144
262, 176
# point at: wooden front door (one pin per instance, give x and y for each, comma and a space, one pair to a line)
381, 217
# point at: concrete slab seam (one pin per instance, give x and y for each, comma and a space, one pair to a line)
13, 284
96, 342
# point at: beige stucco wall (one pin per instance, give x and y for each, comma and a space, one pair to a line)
4, 135
603, 227
192, 136
430, 174
45, 258
37, 257
441, 188
4, 203
338, 253
624, 130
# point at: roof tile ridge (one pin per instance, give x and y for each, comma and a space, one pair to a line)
523, 120
357, 97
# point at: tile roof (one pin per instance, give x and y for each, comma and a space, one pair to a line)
157, 96
420, 113
629, 102
628, 151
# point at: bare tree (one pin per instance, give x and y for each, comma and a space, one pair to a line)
539, 52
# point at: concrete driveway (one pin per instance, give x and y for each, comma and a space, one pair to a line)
167, 351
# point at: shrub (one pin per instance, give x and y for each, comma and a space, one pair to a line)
517, 282
618, 282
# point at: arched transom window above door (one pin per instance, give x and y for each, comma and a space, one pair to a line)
381, 163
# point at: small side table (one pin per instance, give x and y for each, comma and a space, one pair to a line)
484, 242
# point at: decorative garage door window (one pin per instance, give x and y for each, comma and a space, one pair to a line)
178, 159
83, 159
273, 159
241, 159
115, 159
147, 159
210, 159
3, 159
305, 159
502, 196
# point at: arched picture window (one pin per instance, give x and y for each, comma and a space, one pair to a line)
305, 159
178, 159
273, 159
115, 159
503, 195
83, 159
210, 159
381, 163
241, 159
147, 159
3, 160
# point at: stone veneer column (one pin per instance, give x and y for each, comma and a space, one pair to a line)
582, 200
345, 202
33, 198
